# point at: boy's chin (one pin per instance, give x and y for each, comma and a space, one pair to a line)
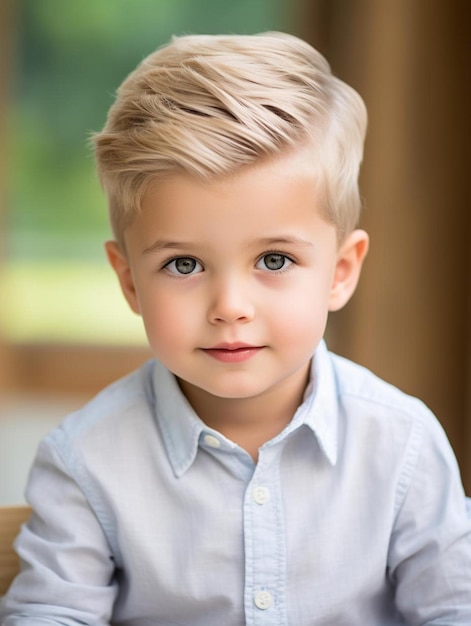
220, 392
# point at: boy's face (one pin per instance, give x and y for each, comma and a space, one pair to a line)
234, 278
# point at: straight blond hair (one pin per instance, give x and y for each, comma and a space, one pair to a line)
210, 105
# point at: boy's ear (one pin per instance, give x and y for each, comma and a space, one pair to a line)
120, 264
350, 257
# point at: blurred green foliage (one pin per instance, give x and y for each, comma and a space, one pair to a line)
69, 58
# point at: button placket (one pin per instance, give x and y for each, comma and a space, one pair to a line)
264, 546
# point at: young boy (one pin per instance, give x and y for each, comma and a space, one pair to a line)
247, 475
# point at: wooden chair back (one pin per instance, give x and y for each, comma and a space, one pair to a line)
11, 519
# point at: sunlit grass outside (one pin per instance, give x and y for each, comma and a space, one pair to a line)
67, 301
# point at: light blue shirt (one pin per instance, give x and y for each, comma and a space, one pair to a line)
353, 516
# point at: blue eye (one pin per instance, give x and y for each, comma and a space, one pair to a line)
183, 265
274, 262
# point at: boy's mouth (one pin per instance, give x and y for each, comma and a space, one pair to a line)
232, 352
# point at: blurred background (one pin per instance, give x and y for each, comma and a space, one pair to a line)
65, 330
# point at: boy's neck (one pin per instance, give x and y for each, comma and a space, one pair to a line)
250, 422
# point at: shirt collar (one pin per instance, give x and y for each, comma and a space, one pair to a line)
319, 410
182, 428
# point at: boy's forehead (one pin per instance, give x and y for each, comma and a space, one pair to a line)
278, 200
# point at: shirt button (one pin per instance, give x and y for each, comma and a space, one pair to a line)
212, 441
263, 600
260, 495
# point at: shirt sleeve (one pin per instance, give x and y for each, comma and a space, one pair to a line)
67, 574
430, 550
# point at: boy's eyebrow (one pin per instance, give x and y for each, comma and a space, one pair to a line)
162, 244
288, 240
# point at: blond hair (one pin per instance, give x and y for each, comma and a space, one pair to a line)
209, 105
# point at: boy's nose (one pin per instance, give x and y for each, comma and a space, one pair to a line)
231, 302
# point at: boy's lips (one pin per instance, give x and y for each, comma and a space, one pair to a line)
232, 352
